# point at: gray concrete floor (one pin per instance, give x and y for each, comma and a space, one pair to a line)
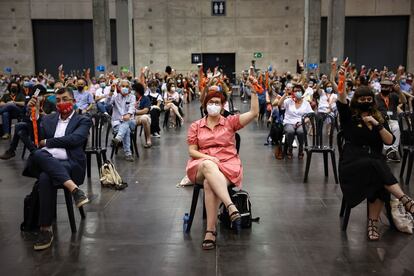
138, 231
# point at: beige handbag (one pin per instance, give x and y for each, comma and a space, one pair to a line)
110, 177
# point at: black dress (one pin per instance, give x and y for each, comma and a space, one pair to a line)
363, 170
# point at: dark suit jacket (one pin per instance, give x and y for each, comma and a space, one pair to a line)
76, 135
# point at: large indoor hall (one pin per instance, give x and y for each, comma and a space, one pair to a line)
206, 137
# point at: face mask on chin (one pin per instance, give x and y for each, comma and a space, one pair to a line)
213, 110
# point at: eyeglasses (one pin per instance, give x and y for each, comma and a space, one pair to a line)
367, 99
63, 100
214, 102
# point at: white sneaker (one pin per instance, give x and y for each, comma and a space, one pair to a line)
156, 135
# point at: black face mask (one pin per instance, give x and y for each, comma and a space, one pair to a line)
80, 88
13, 90
385, 92
364, 107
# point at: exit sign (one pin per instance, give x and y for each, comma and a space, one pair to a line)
258, 55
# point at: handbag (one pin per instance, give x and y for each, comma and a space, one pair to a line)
110, 177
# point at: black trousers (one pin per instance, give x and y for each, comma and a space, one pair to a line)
52, 174
155, 120
23, 131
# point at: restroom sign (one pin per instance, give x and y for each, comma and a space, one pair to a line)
196, 58
218, 8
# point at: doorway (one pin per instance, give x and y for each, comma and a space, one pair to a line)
226, 61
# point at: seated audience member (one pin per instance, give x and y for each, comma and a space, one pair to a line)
387, 102
295, 107
24, 130
363, 172
123, 110
214, 161
101, 93
11, 107
172, 102
142, 112
155, 110
60, 162
84, 99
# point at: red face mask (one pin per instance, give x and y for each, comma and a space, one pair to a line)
64, 108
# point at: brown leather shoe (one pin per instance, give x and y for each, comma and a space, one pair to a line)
278, 153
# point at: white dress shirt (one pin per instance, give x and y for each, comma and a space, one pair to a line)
60, 153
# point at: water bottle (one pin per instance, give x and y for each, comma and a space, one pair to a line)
185, 222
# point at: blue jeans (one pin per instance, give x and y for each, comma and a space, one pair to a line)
123, 133
103, 107
8, 112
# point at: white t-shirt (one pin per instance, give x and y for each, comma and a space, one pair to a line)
324, 105
294, 115
102, 92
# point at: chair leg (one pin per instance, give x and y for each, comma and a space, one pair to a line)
346, 218
335, 171
389, 214
308, 161
82, 212
112, 151
69, 206
196, 192
404, 162
204, 206
88, 164
103, 153
409, 168
99, 162
325, 163
24, 152
343, 206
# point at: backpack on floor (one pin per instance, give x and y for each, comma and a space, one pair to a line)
241, 200
110, 177
31, 211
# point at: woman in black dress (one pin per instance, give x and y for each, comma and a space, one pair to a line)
363, 171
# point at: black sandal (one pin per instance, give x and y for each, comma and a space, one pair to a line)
235, 219
408, 203
373, 234
209, 244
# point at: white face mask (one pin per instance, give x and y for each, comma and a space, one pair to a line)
125, 90
213, 110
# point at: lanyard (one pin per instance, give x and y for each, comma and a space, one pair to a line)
386, 101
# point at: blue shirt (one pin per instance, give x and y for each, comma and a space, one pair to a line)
144, 102
83, 100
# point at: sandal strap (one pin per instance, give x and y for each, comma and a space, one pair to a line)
214, 233
409, 203
209, 242
230, 204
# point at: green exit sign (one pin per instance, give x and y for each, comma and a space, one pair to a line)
258, 55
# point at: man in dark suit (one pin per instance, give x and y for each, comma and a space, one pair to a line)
59, 161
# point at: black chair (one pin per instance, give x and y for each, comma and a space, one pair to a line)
318, 121
134, 146
167, 116
95, 147
345, 211
198, 187
405, 122
69, 207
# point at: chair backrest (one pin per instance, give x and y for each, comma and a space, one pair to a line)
405, 122
340, 140
317, 121
238, 141
98, 122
